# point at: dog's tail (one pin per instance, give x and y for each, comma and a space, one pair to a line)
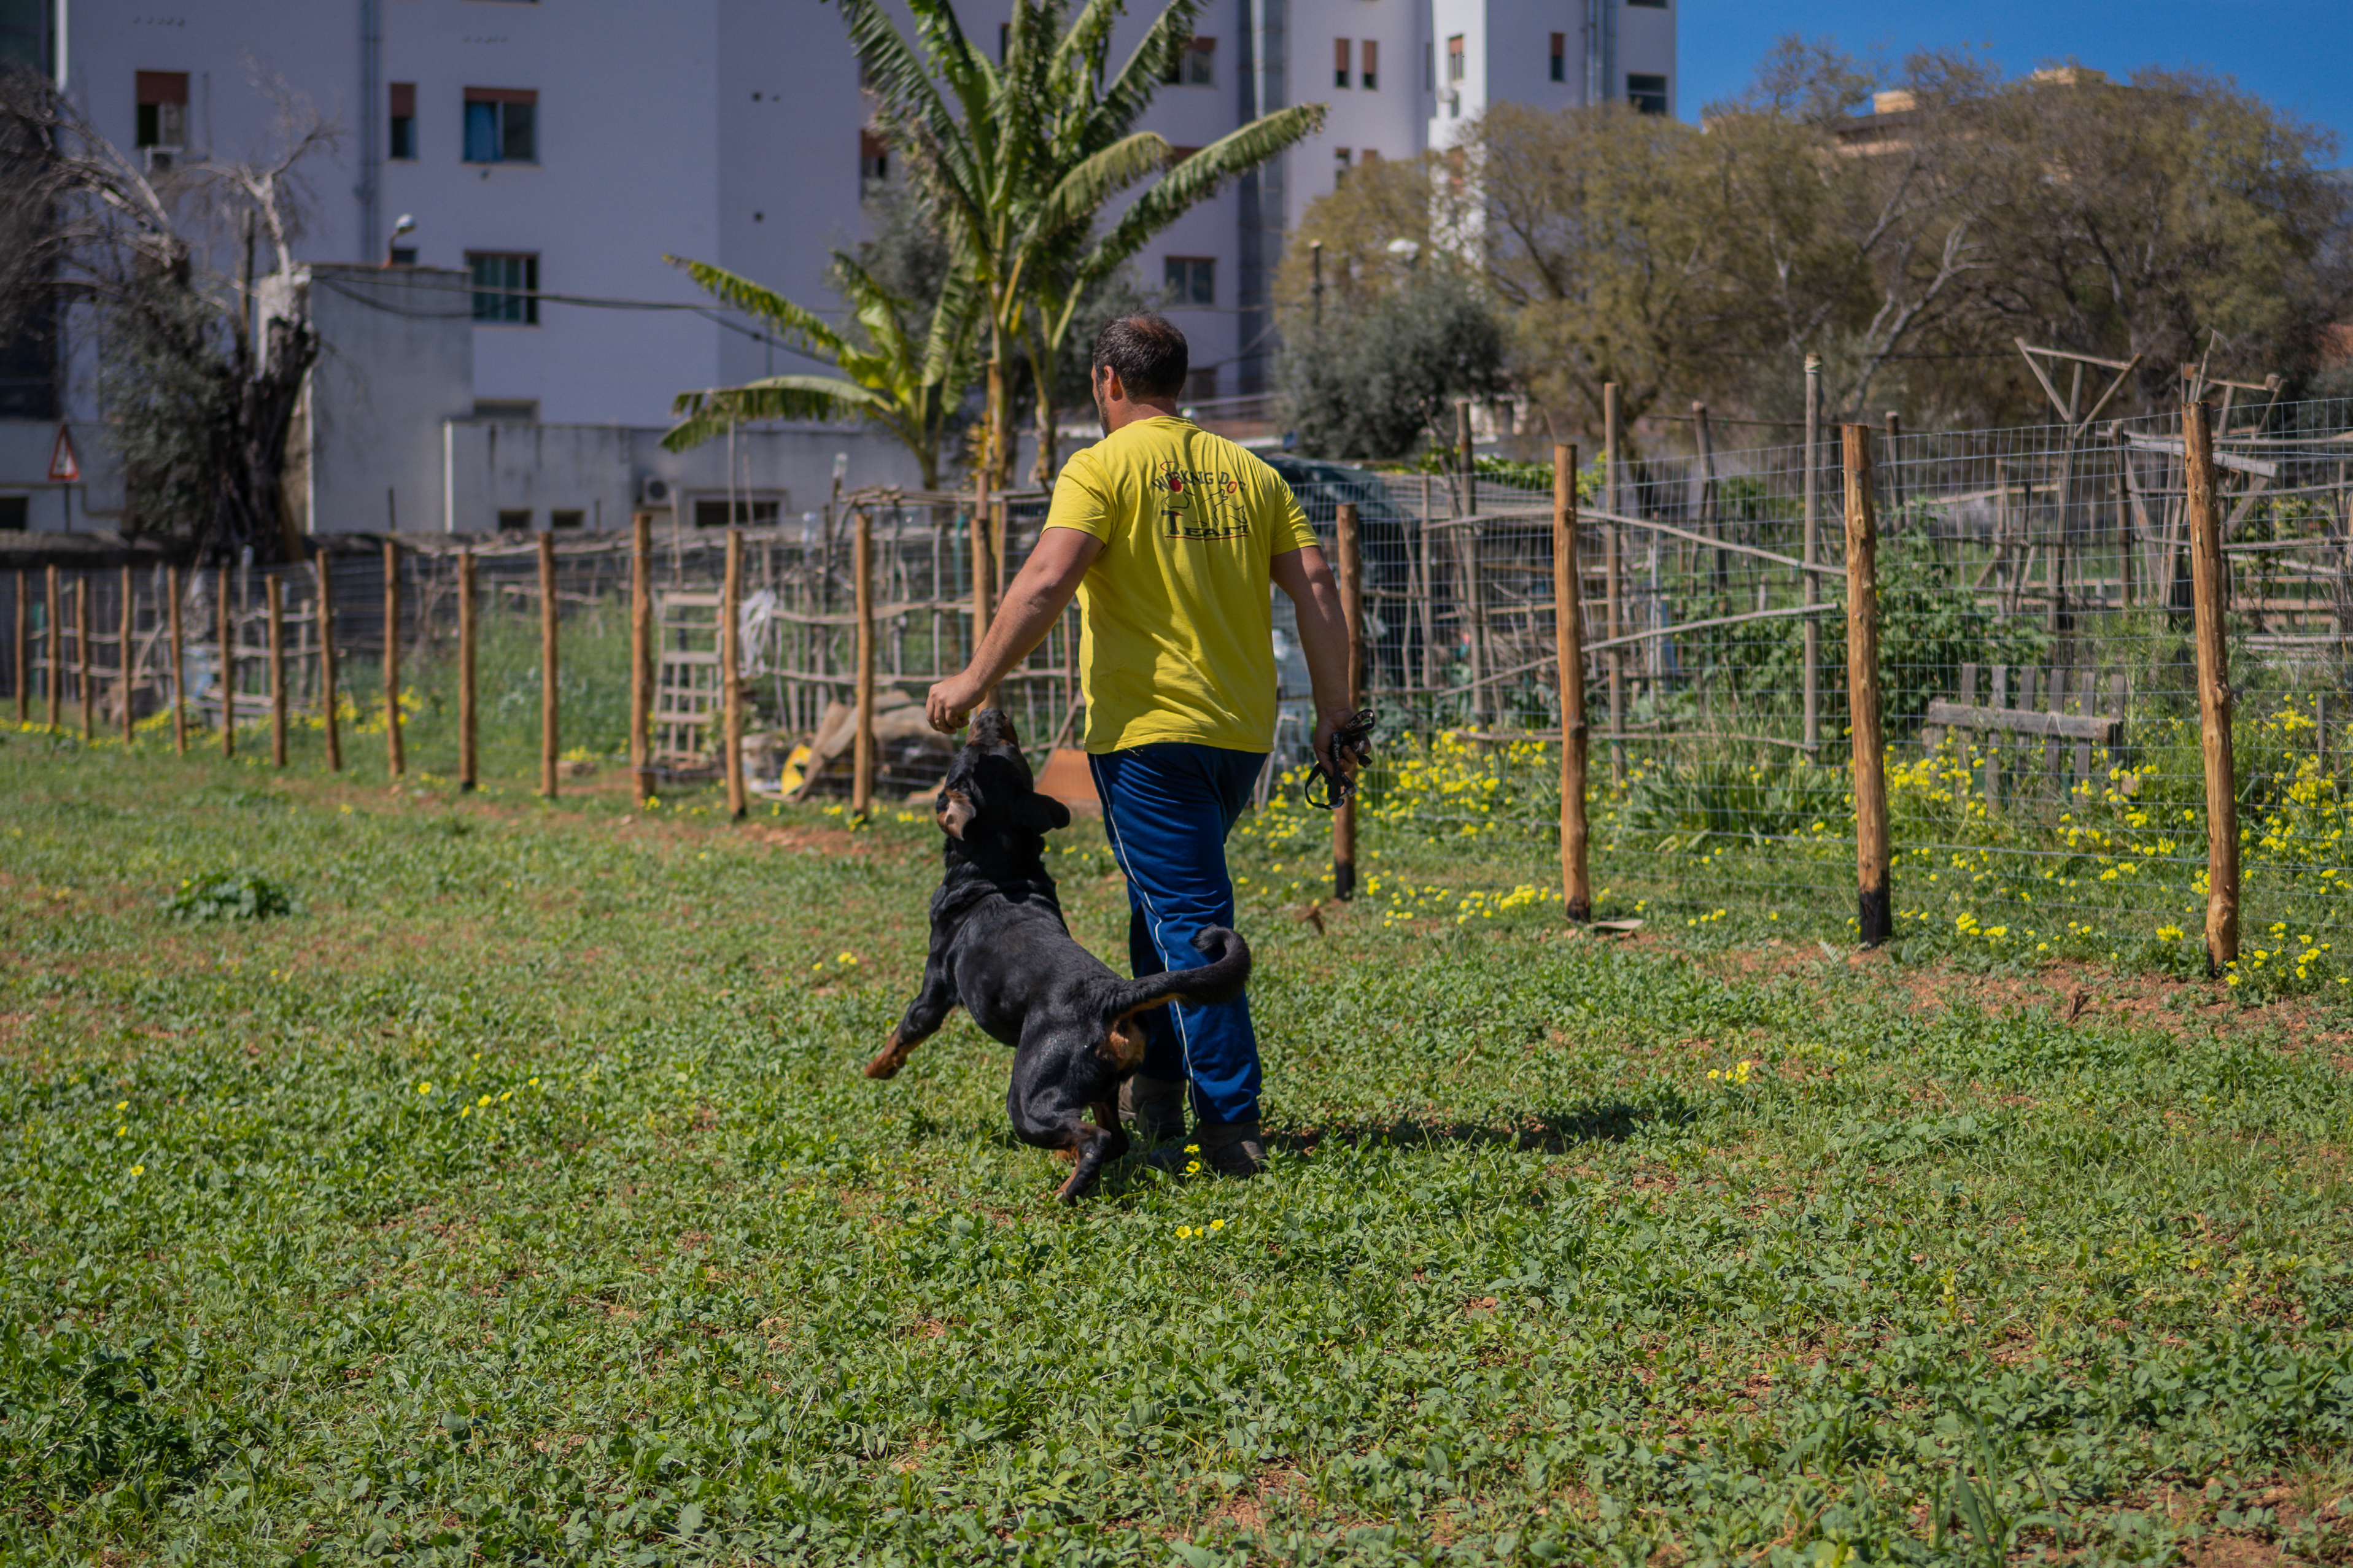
1219, 980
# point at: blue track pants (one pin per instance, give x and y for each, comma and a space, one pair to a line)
1167, 811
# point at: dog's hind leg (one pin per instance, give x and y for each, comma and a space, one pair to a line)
922, 1017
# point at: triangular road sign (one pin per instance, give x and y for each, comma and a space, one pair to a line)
64, 467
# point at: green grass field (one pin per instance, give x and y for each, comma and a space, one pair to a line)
512, 1196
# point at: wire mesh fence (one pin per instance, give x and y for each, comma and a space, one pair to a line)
2036, 667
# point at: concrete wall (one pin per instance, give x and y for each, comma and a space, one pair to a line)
600, 470
397, 359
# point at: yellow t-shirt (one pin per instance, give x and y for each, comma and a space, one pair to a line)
1178, 640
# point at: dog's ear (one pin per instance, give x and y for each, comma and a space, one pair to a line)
1042, 814
955, 809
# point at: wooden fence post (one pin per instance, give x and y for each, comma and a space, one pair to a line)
24, 630
1870, 846
82, 683
1569, 654
731, 669
395, 755
981, 598
1811, 589
547, 668
276, 593
123, 661
470, 769
2213, 692
328, 699
179, 665
641, 652
53, 644
1351, 610
861, 776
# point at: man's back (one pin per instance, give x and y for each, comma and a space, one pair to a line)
1177, 609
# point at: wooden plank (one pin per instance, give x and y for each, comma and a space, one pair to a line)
2026, 722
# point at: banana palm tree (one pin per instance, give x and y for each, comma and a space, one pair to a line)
1022, 157
907, 383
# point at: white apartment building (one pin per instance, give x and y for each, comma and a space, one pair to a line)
556, 150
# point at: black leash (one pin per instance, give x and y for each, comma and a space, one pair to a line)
1353, 738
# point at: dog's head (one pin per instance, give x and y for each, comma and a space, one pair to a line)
988, 793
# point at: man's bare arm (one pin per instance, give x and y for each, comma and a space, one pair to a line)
1323, 640
1035, 599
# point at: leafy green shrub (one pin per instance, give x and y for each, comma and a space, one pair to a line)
229, 896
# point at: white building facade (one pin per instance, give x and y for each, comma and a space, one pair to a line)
551, 153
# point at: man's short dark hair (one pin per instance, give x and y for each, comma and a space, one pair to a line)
1148, 353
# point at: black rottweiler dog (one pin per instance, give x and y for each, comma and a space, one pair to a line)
1000, 947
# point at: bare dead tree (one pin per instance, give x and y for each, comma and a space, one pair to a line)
200, 410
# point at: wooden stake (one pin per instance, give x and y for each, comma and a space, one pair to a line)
123, 651
82, 682
227, 633
641, 652
1811, 589
731, 669
179, 665
1351, 610
394, 754
328, 693
24, 647
1871, 845
1611, 543
1568, 652
2213, 692
981, 599
470, 760
861, 777
53, 644
276, 593
547, 667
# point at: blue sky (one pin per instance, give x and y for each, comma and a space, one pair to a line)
2295, 53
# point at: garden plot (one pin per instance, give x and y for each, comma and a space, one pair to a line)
484, 1181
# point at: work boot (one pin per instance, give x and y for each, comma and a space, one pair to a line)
1153, 1109
1218, 1149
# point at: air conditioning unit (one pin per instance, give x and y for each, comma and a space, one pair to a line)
160, 158
655, 490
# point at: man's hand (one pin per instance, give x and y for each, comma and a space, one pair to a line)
1343, 765
951, 701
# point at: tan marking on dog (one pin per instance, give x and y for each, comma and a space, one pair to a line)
955, 810
890, 1057
1123, 1043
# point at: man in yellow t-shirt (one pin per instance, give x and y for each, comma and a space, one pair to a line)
1170, 537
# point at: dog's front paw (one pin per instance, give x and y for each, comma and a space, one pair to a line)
890, 1058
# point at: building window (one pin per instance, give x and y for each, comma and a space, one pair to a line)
567, 520
1339, 167
501, 125
402, 256
507, 410
515, 521
1369, 78
1193, 65
1340, 62
1647, 94
403, 143
1178, 154
873, 164
162, 109
1004, 40
1651, 5
712, 513
506, 288
1560, 57
1428, 70
1190, 279
1454, 69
